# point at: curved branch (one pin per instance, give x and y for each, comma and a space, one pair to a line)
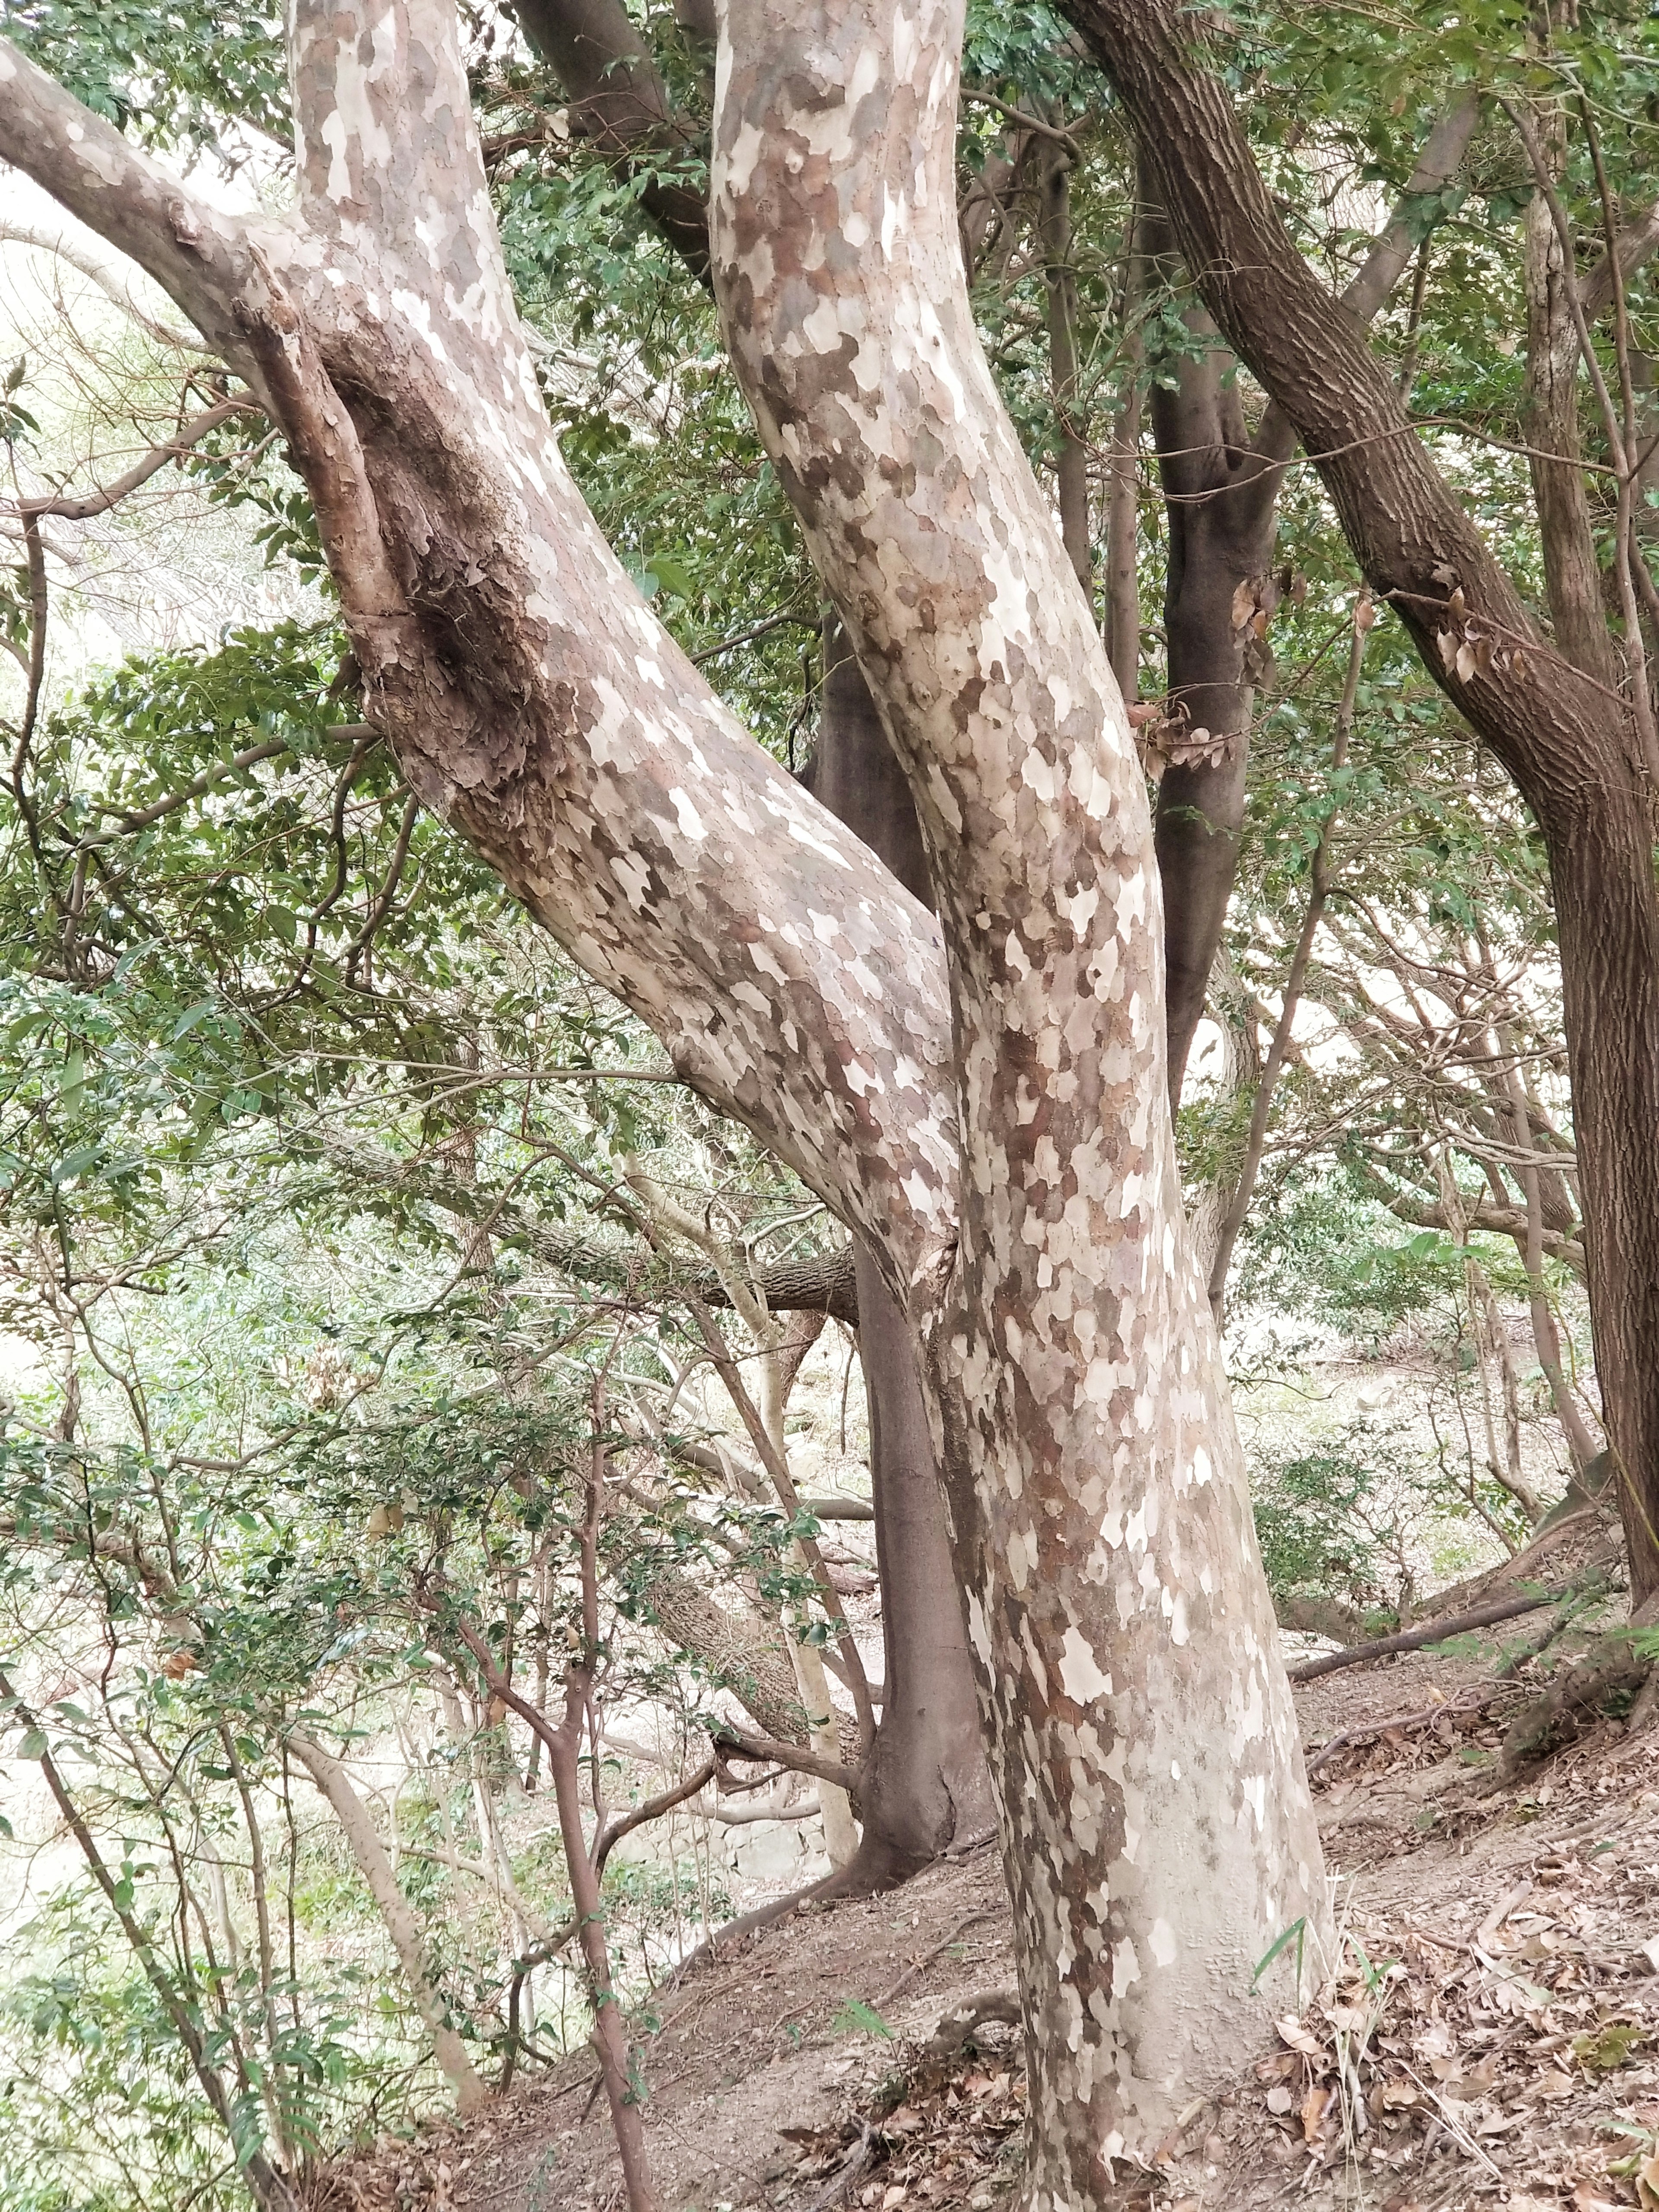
197, 254
88, 504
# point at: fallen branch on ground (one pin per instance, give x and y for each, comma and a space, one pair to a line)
1436, 1632
1343, 1738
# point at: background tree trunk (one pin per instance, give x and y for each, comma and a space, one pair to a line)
402, 1926
1574, 757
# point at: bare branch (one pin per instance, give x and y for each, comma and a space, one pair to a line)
110, 282
88, 504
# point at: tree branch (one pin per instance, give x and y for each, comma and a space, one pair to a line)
88, 504
198, 255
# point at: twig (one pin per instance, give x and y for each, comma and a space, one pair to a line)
1345, 1737
920, 1965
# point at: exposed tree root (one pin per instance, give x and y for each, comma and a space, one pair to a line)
1613, 1680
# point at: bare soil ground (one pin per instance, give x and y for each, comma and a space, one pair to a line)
1492, 2039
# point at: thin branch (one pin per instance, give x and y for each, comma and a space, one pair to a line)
88, 504
1363, 618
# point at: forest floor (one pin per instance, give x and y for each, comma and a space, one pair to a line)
1493, 2037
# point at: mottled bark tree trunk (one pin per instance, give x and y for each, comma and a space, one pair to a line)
927, 1756
1102, 1529
1574, 756
1013, 1173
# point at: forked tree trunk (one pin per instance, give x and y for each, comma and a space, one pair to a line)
1014, 1175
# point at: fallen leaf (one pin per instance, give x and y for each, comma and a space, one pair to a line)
1608, 2047
904, 2122
1650, 1951
1587, 2197
1647, 2185
1314, 2106
1554, 2085
1293, 2031
895, 2194
1279, 2100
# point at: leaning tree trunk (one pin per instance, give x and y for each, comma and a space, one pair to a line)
402, 1925
927, 1771
1014, 1176
1573, 755
1158, 1835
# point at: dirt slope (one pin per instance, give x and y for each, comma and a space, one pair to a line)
1492, 2039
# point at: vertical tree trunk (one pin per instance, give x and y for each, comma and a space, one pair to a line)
1221, 489
1071, 462
1123, 483
1158, 1835
927, 1785
1222, 519
1572, 573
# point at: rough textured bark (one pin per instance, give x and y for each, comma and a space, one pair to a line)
743, 1651
1014, 1175
1102, 1529
1221, 489
395, 1910
1573, 754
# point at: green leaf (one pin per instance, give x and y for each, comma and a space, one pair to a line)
857, 2018
1297, 1933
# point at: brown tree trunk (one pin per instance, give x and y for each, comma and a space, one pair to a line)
927, 1786
1123, 483
1221, 515
1573, 755
1221, 491
1571, 571
1060, 281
